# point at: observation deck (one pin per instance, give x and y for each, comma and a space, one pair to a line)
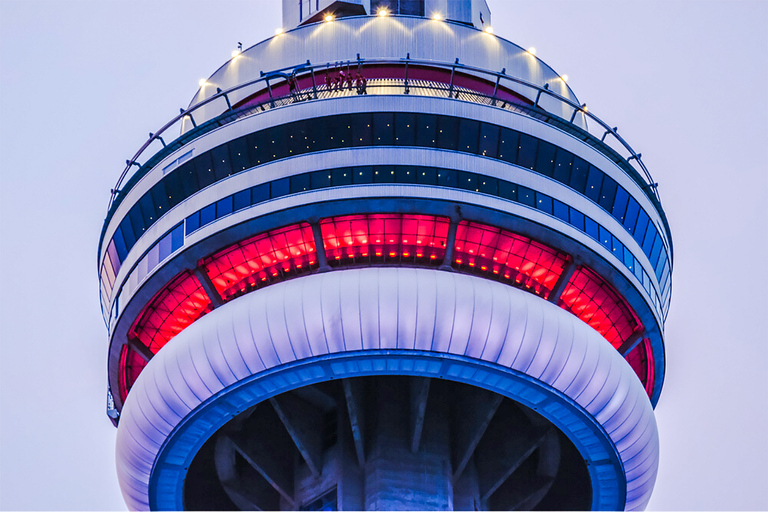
372, 210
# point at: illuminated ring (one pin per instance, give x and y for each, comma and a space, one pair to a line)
438, 324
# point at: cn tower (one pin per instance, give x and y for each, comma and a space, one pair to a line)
385, 260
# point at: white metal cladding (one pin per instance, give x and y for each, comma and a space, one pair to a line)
391, 37
386, 308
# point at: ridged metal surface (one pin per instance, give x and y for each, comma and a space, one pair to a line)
387, 308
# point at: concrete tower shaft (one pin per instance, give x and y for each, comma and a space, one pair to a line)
391, 262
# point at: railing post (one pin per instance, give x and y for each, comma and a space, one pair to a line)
496, 87
314, 84
159, 137
453, 72
226, 98
269, 90
576, 111
536, 103
182, 111
615, 129
407, 58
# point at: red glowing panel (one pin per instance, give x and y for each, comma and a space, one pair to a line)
595, 302
178, 304
131, 365
511, 258
390, 238
261, 260
641, 361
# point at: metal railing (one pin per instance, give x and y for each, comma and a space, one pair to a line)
590, 128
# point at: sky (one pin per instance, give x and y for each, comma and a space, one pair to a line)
82, 83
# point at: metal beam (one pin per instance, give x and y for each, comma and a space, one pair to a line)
353, 394
316, 397
303, 423
502, 454
263, 456
475, 409
208, 286
419, 393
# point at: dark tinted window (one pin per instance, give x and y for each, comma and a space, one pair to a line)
193, 222
242, 199
508, 142
224, 206
238, 152
405, 174
545, 158
607, 193
467, 180
468, 134
383, 129
590, 228
488, 185
426, 130
526, 154
259, 193
207, 214
447, 178
489, 140
526, 196
577, 219
563, 164
544, 202
405, 129
362, 175
447, 132
594, 182
579, 174
320, 179
219, 160
426, 176
299, 183
560, 210
279, 188
384, 174
630, 217
508, 190
341, 177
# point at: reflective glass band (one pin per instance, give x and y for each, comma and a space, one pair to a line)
399, 129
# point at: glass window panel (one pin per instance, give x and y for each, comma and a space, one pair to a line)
590, 228
405, 174
405, 129
224, 206
426, 130
166, 246
136, 222
576, 218
259, 193
488, 185
630, 217
656, 251
509, 140
488, 143
426, 175
299, 183
594, 182
413, 8
447, 178
629, 260
545, 159
120, 246
177, 237
526, 151
242, 199
193, 222
383, 129
579, 175
362, 175
159, 199
641, 226
207, 214
174, 189
543, 203
384, 174
607, 193
341, 177
650, 238
527, 196
257, 147
560, 210
279, 188
620, 204
447, 132
147, 209
238, 152
467, 180
320, 179
468, 134
563, 165
277, 145
205, 170
508, 190
605, 238
617, 247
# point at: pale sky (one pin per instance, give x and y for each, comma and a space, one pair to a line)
82, 83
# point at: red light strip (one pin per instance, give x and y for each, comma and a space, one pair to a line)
131, 365
261, 260
385, 238
178, 304
512, 258
594, 301
641, 361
